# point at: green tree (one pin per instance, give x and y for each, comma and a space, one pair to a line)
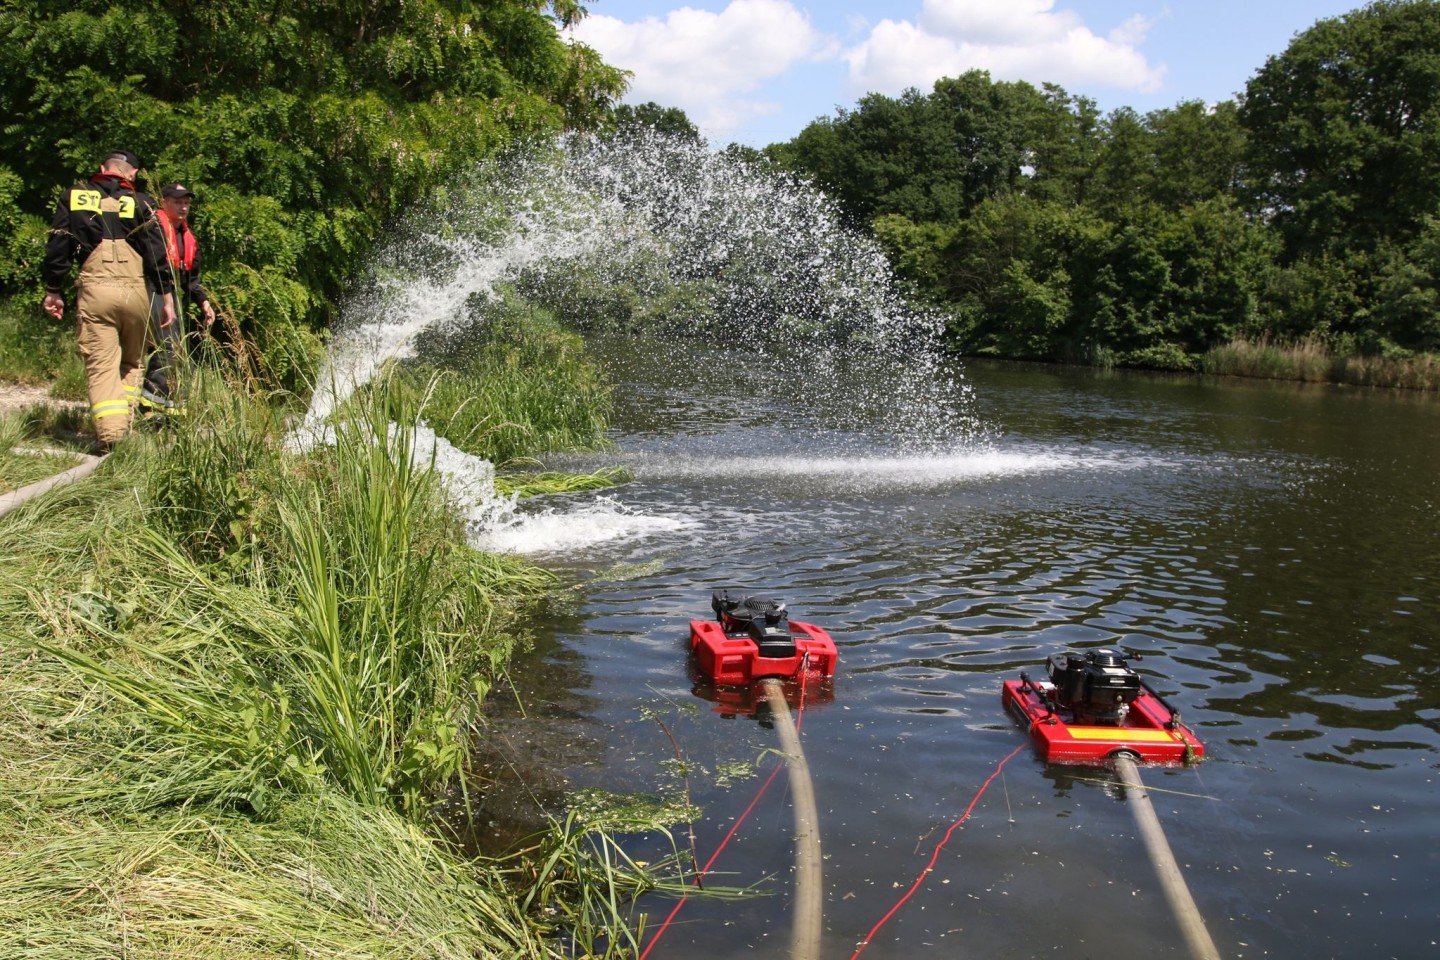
1344, 157
671, 121
1199, 152
896, 156
304, 138
1065, 144
1407, 299
934, 157
1344, 129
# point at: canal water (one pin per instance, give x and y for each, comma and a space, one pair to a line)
1272, 549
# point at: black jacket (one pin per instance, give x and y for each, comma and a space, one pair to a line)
79, 226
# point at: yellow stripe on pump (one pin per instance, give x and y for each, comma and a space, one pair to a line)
1116, 733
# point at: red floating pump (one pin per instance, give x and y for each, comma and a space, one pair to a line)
1094, 708
752, 638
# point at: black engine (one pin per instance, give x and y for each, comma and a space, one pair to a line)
1097, 687
763, 620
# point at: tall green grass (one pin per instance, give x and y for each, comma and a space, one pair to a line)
510, 383
37, 349
241, 685
330, 622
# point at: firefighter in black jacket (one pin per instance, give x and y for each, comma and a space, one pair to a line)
109, 228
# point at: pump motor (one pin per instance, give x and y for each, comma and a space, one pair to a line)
1096, 687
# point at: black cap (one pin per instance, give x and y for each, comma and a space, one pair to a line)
125, 155
178, 190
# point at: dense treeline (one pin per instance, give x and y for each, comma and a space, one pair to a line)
1310, 210
303, 128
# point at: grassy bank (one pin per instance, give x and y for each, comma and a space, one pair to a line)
242, 683
34, 349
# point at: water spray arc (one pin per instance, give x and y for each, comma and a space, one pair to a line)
646, 233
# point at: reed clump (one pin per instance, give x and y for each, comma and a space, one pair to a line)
1307, 360
1311, 360
1410, 373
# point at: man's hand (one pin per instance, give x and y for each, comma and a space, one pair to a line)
53, 304
207, 312
167, 312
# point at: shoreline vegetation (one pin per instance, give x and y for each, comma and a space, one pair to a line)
1310, 361
244, 684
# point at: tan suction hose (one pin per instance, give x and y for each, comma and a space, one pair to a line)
14, 498
805, 931
1192, 925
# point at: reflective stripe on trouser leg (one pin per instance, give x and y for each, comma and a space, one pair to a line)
111, 336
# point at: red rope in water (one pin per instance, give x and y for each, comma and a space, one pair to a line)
799, 718
935, 854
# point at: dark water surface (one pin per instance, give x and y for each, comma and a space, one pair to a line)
1273, 548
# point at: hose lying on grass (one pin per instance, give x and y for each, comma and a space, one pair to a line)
9, 501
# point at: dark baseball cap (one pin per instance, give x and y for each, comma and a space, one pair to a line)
177, 190
125, 155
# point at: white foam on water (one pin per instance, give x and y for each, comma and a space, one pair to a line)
905, 471
469, 481
503, 524
571, 528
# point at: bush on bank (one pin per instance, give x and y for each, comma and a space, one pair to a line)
510, 382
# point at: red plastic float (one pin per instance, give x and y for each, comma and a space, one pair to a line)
1095, 708
752, 639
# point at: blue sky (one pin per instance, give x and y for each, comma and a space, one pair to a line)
757, 71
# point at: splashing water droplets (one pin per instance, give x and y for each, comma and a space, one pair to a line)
649, 233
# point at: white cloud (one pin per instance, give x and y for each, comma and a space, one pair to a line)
1013, 22
706, 63
1013, 39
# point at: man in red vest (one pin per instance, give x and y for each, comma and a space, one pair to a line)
184, 257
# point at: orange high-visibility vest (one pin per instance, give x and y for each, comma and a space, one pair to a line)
181, 252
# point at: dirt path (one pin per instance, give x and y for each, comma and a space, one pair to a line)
16, 396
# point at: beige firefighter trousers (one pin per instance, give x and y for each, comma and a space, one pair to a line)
113, 306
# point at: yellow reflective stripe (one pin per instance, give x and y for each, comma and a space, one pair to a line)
87, 200
1121, 733
110, 408
127, 208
